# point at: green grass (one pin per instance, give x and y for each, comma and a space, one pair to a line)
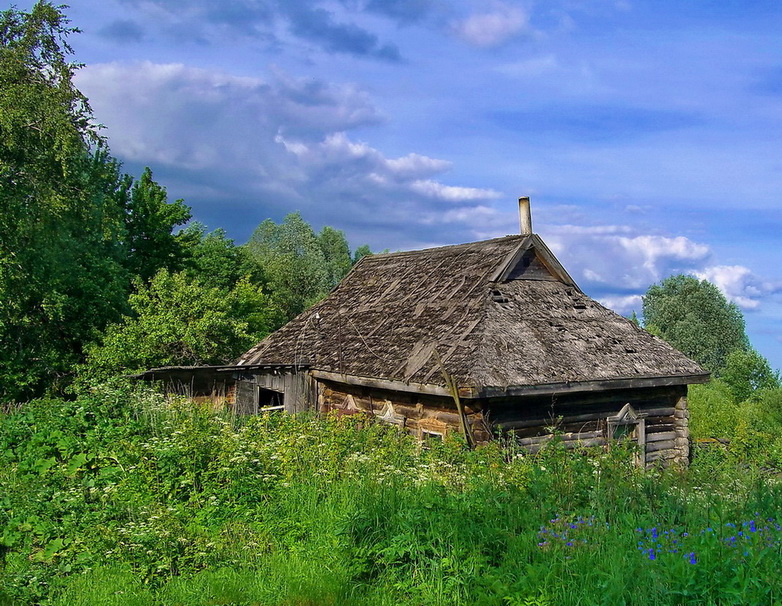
123, 497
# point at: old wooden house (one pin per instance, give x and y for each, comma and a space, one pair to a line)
485, 339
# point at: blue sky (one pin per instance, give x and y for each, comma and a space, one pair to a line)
646, 133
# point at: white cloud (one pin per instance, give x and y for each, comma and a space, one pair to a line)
450, 193
492, 28
621, 264
739, 284
614, 256
415, 165
655, 252
624, 305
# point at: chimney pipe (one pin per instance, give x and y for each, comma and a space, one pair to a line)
525, 216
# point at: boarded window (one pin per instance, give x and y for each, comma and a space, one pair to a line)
629, 425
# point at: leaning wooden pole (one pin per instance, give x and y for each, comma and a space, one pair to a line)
450, 384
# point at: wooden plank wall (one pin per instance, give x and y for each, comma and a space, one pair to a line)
581, 420
419, 414
577, 419
297, 388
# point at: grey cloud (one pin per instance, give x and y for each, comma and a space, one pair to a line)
240, 13
403, 11
307, 20
123, 30
318, 25
240, 150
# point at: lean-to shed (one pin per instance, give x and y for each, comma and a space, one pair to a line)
484, 338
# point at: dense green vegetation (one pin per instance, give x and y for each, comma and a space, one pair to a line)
113, 494
97, 273
123, 497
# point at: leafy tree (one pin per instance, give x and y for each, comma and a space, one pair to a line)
61, 223
149, 221
361, 251
337, 254
214, 259
178, 320
292, 261
73, 230
747, 373
695, 317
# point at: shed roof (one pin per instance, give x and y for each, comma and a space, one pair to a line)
501, 316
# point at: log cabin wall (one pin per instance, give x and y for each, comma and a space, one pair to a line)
583, 420
422, 415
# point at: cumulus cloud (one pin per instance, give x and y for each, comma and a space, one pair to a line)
616, 257
617, 265
739, 284
494, 27
266, 147
624, 305
451, 193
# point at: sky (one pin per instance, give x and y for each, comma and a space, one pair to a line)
646, 133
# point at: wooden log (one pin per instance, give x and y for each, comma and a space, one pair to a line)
411, 412
548, 421
667, 411
660, 436
655, 427
664, 445
451, 418
662, 454
570, 437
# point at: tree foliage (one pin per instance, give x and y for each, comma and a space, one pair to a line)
74, 231
179, 320
61, 226
215, 259
292, 261
695, 317
336, 253
301, 267
149, 223
748, 374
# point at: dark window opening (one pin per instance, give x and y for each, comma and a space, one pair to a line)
497, 296
269, 400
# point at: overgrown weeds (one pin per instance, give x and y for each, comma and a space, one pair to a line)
124, 497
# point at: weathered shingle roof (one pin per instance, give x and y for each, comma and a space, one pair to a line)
501, 313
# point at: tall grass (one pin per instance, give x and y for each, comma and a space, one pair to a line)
124, 497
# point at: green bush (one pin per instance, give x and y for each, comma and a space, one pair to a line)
123, 496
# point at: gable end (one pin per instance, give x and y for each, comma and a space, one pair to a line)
532, 260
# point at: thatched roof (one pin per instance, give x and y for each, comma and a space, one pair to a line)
501, 316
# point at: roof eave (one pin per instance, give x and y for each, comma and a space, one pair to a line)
473, 392
391, 384
591, 386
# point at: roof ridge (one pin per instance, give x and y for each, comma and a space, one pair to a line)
417, 251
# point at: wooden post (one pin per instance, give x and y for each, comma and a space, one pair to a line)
450, 384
